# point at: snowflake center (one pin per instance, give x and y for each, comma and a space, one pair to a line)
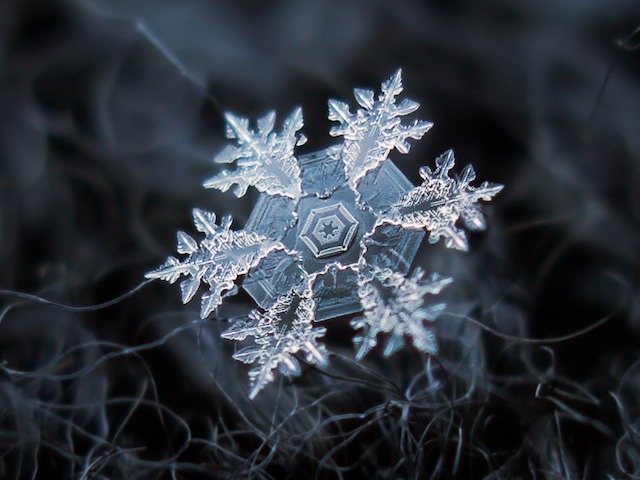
328, 230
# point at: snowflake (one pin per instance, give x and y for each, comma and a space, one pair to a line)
333, 233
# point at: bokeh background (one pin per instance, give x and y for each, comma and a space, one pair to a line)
110, 114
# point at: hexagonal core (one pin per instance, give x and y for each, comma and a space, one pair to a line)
283, 219
329, 230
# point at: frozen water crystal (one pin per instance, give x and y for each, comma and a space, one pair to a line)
337, 296
333, 233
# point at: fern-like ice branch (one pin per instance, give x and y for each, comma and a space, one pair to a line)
218, 260
375, 129
264, 158
279, 333
396, 305
438, 203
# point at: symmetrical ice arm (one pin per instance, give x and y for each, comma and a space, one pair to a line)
218, 260
374, 130
264, 158
438, 203
279, 333
396, 305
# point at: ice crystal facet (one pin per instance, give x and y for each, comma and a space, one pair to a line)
334, 232
293, 224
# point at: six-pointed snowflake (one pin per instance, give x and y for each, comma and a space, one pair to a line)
333, 233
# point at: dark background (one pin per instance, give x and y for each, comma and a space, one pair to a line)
110, 114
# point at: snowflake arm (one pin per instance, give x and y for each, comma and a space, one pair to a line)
375, 129
280, 332
438, 203
265, 159
220, 258
394, 304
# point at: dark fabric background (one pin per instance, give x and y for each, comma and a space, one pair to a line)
110, 114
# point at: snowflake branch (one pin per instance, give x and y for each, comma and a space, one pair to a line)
220, 258
394, 304
375, 129
438, 203
280, 332
265, 159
